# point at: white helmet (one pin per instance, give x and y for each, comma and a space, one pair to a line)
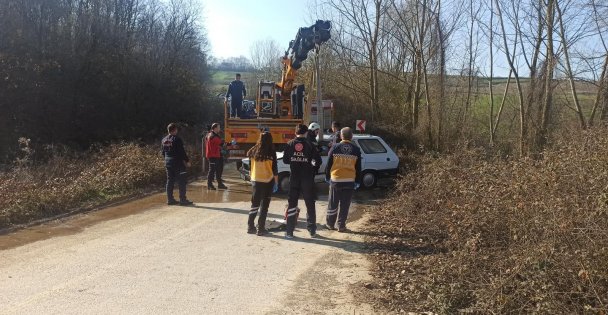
314, 126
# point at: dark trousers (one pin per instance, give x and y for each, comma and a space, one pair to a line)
340, 196
216, 168
176, 172
236, 108
260, 201
301, 183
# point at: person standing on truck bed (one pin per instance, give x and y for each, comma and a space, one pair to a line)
213, 147
302, 158
343, 173
236, 92
176, 161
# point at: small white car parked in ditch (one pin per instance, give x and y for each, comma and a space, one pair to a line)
377, 161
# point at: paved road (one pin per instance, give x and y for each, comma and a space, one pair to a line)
144, 257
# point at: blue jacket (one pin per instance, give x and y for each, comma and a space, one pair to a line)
173, 151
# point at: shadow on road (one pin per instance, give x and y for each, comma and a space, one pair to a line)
233, 210
347, 245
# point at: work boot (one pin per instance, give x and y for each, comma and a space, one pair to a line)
262, 230
312, 232
186, 202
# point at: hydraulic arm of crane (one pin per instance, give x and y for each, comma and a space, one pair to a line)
306, 40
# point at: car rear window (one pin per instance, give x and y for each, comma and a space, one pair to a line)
371, 146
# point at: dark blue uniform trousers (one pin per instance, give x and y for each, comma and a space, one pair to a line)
176, 172
340, 196
301, 183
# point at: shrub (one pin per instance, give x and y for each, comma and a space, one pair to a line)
468, 232
69, 181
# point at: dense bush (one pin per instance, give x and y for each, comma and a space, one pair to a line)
468, 232
79, 72
71, 181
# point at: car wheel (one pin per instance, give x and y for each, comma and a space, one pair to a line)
284, 182
369, 179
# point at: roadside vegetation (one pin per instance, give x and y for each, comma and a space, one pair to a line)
70, 180
486, 234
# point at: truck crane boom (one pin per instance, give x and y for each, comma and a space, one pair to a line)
279, 106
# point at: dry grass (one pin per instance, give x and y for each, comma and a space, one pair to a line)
479, 234
71, 181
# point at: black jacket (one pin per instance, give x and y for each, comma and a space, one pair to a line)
300, 154
173, 151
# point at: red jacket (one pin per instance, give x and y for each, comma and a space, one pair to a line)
213, 145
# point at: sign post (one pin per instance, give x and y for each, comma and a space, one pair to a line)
360, 126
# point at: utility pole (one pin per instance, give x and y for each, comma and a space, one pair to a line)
320, 109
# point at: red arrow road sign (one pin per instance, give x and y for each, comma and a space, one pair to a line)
360, 125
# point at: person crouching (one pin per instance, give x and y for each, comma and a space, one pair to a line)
264, 180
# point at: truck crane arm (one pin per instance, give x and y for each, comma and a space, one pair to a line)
297, 52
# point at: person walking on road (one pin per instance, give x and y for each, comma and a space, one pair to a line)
213, 147
236, 93
303, 158
264, 181
343, 172
176, 161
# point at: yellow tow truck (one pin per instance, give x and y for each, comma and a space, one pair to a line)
280, 106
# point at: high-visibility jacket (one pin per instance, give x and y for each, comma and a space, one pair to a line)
263, 171
344, 163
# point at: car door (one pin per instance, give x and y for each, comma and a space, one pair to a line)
376, 154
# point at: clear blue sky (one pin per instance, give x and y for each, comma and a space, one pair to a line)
234, 25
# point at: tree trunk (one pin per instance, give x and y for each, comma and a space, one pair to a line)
598, 94
548, 97
577, 105
491, 83
522, 110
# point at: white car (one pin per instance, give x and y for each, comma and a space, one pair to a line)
377, 160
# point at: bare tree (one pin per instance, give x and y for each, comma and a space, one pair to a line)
265, 59
569, 73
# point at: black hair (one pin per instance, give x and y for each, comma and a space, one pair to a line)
263, 149
301, 129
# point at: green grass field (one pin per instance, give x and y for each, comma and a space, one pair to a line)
221, 79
